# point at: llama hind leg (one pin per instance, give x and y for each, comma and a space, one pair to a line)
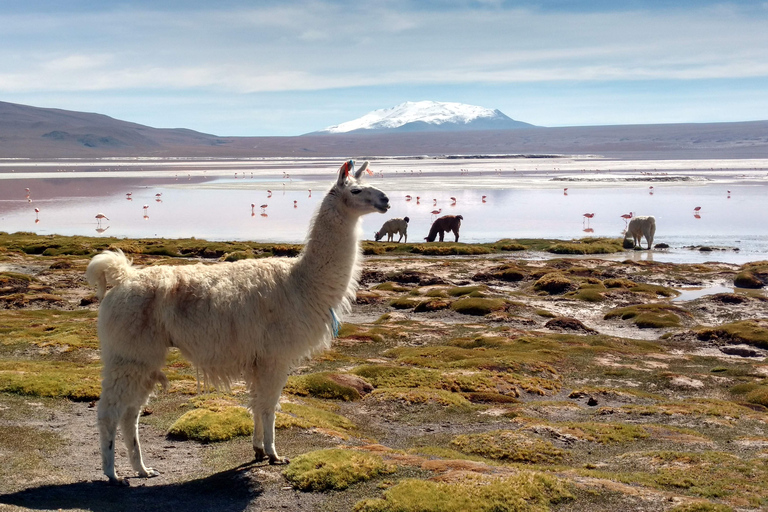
129, 425
124, 389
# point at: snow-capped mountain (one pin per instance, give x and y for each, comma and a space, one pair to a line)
429, 116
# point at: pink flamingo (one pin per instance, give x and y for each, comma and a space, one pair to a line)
453, 201
627, 216
160, 194
146, 216
565, 191
407, 198
263, 208
37, 212
295, 204
483, 198
697, 209
100, 216
269, 194
650, 190
417, 200
310, 192
434, 202
436, 212
253, 213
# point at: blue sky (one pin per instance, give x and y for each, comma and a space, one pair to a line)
234, 67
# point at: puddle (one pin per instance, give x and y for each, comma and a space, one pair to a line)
687, 294
693, 293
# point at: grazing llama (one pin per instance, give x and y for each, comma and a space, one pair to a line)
641, 227
250, 318
443, 224
392, 226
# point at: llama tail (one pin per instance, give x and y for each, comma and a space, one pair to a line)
108, 268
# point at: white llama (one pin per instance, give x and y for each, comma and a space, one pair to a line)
640, 227
250, 318
397, 225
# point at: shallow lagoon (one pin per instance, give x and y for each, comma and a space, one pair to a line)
498, 198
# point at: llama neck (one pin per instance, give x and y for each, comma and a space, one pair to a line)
330, 258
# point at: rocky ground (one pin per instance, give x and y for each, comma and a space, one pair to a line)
597, 382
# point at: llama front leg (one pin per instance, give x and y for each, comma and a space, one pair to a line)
129, 424
265, 394
442, 235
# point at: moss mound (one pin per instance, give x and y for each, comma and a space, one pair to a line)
751, 332
523, 492
50, 379
650, 316
554, 283
209, 426
508, 445
478, 306
334, 469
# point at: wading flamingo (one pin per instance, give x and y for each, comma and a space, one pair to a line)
407, 198
100, 216
436, 212
483, 198
453, 201
269, 194
627, 216
263, 208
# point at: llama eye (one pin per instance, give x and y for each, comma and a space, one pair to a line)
355, 190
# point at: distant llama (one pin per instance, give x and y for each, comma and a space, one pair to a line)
250, 318
392, 226
443, 224
641, 227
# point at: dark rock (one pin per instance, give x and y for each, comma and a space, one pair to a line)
563, 323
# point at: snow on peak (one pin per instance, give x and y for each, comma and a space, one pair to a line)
431, 112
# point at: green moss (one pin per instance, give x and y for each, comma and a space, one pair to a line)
588, 246
478, 306
751, 332
619, 283
405, 303
650, 316
314, 417
554, 283
51, 379
334, 469
523, 492
421, 396
239, 255
459, 291
390, 286
49, 327
701, 506
586, 295
209, 426
509, 446
320, 385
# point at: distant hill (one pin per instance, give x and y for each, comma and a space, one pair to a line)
425, 116
50, 131
32, 132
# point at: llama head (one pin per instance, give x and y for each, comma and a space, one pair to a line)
358, 198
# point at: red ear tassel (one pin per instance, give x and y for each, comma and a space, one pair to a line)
346, 166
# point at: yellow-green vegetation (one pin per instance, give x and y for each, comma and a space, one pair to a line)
390, 286
208, 426
74, 381
650, 316
707, 474
306, 416
459, 291
525, 491
753, 392
752, 332
421, 396
752, 275
554, 283
509, 446
322, 385
334, 469
701, 506
588, 246
49, 327
478, 306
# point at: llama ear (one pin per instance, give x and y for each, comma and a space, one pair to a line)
362, 169
344, 171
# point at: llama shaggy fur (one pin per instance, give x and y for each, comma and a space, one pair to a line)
251, 318
392, 226
443, 224
641, 227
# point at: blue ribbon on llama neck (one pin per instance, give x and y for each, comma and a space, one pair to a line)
335, 324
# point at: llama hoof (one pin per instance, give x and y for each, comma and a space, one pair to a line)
119, 482
259, 454
149, 473
274, 460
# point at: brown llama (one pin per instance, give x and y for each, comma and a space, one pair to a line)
443, 224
